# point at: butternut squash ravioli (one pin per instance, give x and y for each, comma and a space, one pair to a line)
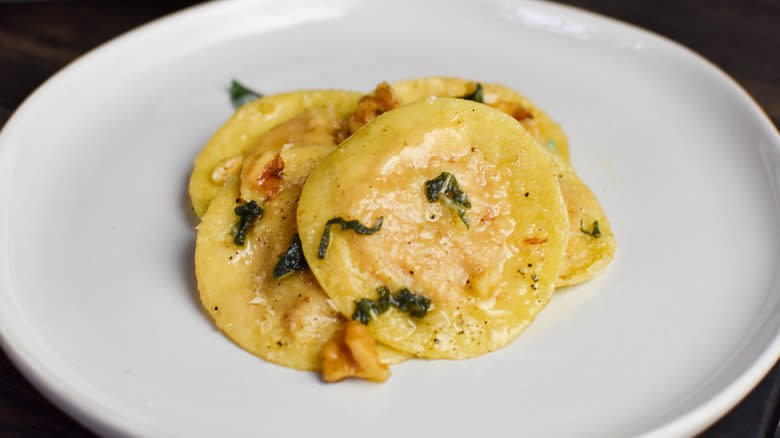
433, 218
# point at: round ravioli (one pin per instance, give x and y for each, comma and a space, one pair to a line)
223, 155
545, 130
440, 224
589, 249
285, 320
591, 243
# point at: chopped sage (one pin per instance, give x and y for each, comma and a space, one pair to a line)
414, 304
384, 300
446, 184
594, 231
247, 215
366, 308
345, 225
292, 260
240, 94
478, 95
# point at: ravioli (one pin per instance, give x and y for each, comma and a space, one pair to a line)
591, 244
536, 121
585, 253
487, 270
286, 321
449, 224
223, 155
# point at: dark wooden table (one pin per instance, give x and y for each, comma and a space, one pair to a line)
37, 39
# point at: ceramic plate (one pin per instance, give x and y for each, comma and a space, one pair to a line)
98, 304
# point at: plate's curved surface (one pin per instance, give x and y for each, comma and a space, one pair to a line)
97, 301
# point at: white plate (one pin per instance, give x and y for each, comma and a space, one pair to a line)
97, 298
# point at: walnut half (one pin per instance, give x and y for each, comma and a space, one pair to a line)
370, 106
351, 352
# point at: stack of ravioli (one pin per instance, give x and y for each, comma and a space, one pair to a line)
432, 218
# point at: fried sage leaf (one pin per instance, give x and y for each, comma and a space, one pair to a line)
345, 225
247, 213
292, 260
241, 94
446, 184
414, 304
478, 95
594, 231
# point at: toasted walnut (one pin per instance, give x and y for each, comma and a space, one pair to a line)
263, 171
263, 174
227, 168
270, 180
381, 100
351, 352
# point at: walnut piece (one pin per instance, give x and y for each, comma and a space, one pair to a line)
381, 100
263, 172
351, 352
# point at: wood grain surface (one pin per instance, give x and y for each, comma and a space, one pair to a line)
742, 37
